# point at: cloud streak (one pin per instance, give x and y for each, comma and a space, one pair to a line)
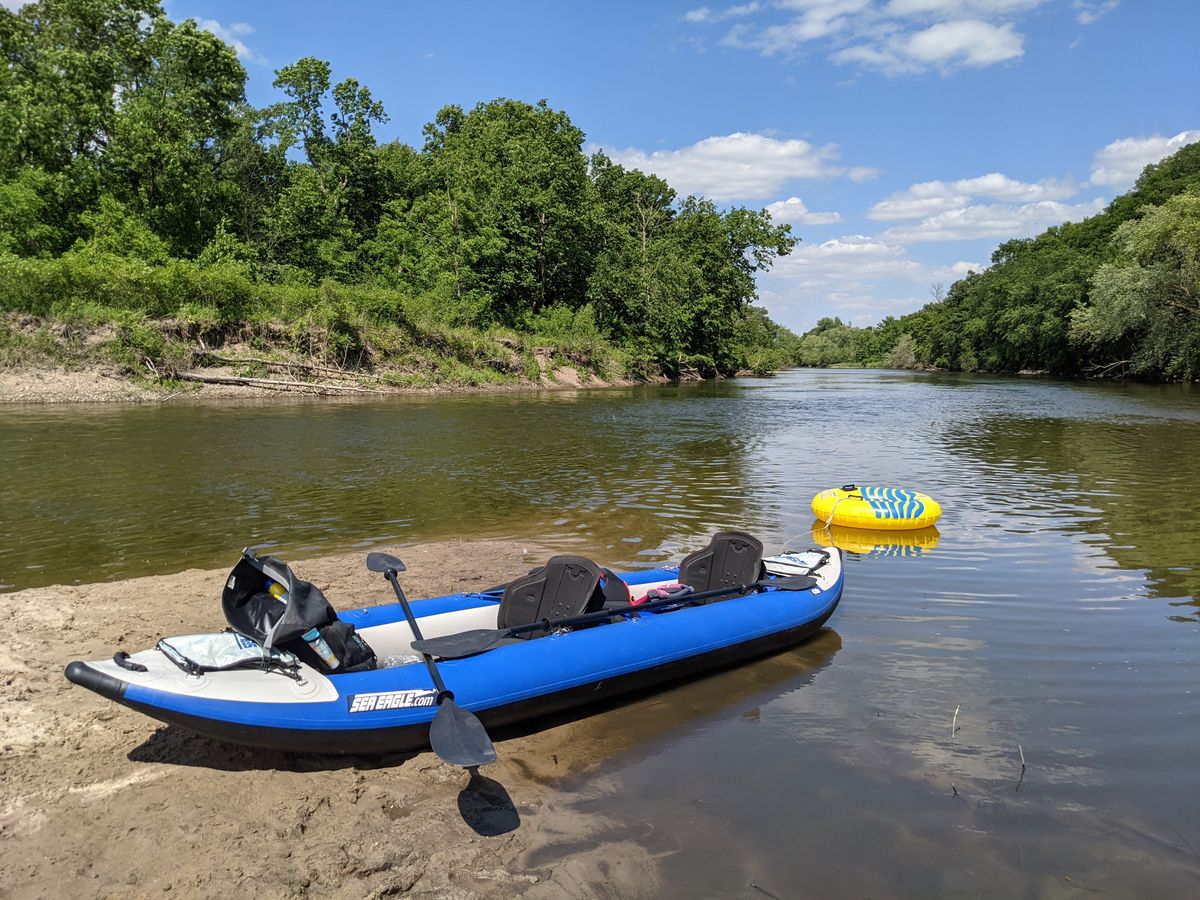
740, 166
896, 38
232, 34
794, 212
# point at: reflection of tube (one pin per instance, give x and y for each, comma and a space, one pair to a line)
871, 542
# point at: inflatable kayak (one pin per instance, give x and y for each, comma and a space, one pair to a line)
878, 508
567, 634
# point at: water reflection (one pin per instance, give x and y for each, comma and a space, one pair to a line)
117, 492
1127, 486
872, 542
631, 728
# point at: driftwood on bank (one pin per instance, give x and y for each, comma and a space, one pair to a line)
293, 366
274, 384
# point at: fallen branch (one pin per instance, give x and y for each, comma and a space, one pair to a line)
1096, 369
279, 364
273, 384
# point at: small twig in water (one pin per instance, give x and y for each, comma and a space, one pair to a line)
1022, 752
764, 891
1021, 780
953, 788
954, 721
1082, 886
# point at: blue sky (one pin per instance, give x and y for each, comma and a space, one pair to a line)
903, 139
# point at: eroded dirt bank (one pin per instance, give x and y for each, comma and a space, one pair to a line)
96, 800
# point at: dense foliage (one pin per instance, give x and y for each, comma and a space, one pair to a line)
134, 176
1118, 293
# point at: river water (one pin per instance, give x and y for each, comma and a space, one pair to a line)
1053, 616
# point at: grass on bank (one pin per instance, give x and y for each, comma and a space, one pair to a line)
162, 319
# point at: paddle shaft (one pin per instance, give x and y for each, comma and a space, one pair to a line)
601, 615
416, 630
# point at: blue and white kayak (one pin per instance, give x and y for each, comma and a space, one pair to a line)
390, 709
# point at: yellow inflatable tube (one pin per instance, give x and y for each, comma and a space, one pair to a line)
877, 508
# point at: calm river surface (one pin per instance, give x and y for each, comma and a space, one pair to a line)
1057, 608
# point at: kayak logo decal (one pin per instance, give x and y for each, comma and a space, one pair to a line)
390, 700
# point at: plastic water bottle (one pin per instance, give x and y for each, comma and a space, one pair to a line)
321, 648
313, 637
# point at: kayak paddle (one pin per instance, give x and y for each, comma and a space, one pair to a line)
456, 734
469, 643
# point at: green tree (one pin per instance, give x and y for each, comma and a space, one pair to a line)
1145, 309
509, 211
163, 158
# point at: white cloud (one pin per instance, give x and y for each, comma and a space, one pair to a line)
857, 277
816, 19
929, 198
992, 220
232, 34
14, 5
861, 173
794, 212
856, 258
945, 46
1089, 12
970, 42
952, 8
739, 166
897, 37
707, 14
1120, 163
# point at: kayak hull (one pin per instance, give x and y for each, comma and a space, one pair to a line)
390, 710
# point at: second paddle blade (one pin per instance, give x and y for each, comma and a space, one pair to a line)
458, 737
465, 643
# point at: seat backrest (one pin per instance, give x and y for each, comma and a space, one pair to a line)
731, 558
565, 586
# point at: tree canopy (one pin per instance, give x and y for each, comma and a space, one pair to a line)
124, 135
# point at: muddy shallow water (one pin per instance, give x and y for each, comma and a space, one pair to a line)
1053, 616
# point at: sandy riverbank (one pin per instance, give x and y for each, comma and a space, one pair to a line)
106, 385
96, 800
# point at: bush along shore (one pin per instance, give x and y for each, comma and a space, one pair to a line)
155, 224
1115, 295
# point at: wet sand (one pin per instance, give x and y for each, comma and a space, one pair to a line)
98, 800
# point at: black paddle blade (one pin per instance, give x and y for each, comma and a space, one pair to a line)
381, 562
458, 738
465, 643
791, 583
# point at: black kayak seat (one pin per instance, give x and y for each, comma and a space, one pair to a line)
565, 586
731, 558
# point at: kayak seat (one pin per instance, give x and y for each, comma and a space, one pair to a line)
731, 558
565, 586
